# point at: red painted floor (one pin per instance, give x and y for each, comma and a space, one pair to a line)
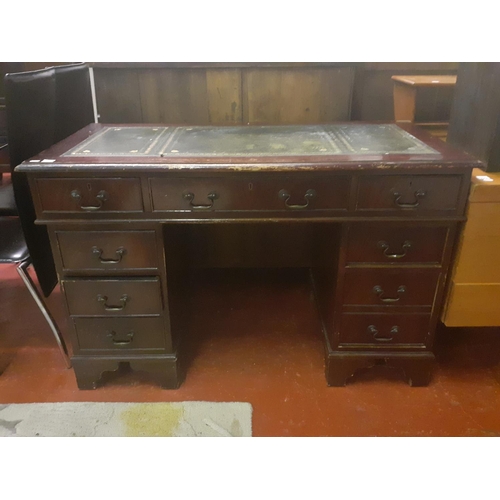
255, 337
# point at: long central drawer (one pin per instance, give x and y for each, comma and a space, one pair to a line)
283, 193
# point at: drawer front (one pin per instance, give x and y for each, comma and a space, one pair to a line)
122, 334
390, 287
285, 193
384, 330
107, 250
408, 194
395, 244
92, 195
113, 297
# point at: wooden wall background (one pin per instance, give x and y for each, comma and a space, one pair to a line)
251, 93
257, 93
475, 114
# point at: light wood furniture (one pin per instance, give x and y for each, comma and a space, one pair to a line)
473, 298
406, 95
380, 205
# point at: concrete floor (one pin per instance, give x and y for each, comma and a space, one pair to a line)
256, 338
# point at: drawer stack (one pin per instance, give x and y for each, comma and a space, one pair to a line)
391, 277
389, 286
113, 279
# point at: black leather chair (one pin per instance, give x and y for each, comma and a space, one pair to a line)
13, 250
43, 107
7, 202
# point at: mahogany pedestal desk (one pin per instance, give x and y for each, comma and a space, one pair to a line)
386, 202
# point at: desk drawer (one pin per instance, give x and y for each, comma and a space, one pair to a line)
395, 244
281, 193
107, 250
113, 297
384, 330
91, 195
122, 334
390, 287
408, 194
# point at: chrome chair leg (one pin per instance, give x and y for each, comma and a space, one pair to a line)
22, 269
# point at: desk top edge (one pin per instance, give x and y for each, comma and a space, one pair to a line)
53, 158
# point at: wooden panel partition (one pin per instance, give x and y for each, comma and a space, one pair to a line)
224, 94
255, 93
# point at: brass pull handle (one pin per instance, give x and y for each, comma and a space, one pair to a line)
211, 196
418, 194
377, 290
120, 252
101, 197
285, 195
385, 247
127, 341
104, 300
374, 332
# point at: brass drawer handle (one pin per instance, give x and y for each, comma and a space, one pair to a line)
374, 332
120, 252
112, 334
285, 195
101, 197
104, 300
418, 194
377, 290
211, 196
385, 247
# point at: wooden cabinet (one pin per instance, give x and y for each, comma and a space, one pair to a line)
382, 228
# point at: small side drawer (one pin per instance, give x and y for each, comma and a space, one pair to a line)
384, 330
395, 244
408, 194
113, 297
390, 287
122, 334
91, 195
271, 193
107, 250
